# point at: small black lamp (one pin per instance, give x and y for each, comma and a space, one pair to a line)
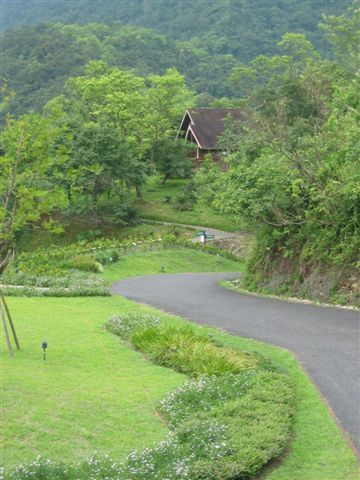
44, 347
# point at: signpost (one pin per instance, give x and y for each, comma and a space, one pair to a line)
204, 236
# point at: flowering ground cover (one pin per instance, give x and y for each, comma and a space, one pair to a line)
227, 424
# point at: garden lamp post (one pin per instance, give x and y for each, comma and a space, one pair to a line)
44, 347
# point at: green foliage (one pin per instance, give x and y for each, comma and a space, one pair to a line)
55, 259
107, 256
126, 324
155, 206
205, 43
208, 180
203, 394
85, 263
295, 170
67, 270
187, 197
126, 213
28, 178
189, 353
211, 417
343, 32
208, 248
172, 158
315, 435
88, 235
74, 283
115, 123
84, 289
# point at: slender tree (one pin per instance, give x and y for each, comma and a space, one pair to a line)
28, 191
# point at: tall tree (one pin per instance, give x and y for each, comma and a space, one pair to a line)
27, 170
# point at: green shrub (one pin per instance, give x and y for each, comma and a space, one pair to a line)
124, 325
94, 468
75, 284
73, 291
107, 256
89, 235
203, 394
85, 263
187, 198
189, 353
126, 214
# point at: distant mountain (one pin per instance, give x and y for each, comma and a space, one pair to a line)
244, 28
204, 39
36, 61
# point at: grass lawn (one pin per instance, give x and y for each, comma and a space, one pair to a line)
93, 393
172, 261
154, 207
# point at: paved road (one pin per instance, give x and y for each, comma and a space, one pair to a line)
326, 340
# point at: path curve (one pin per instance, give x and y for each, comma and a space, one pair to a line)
325, 339
219, 234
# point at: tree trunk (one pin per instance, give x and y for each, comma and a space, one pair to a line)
166, 177
95, 194
138, 191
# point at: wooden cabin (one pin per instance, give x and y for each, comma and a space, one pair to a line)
204, 127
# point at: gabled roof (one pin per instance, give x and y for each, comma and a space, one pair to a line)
207, 125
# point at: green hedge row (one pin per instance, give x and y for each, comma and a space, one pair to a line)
227, 423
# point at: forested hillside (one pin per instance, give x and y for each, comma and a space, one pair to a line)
245, 28
204, 40
36, 61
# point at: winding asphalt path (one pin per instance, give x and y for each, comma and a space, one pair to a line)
326, 340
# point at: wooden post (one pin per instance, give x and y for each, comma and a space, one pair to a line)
12, 326
3, 319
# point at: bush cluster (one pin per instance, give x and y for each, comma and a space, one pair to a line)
73, 291
125, 325
231, 419
74, 284
107, 256
84, 263
187, 198
190, 353
52, 259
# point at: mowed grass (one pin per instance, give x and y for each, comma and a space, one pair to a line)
154, 207
91, 394
94, 393
174, 260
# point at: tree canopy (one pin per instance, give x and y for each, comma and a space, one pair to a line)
204, 41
